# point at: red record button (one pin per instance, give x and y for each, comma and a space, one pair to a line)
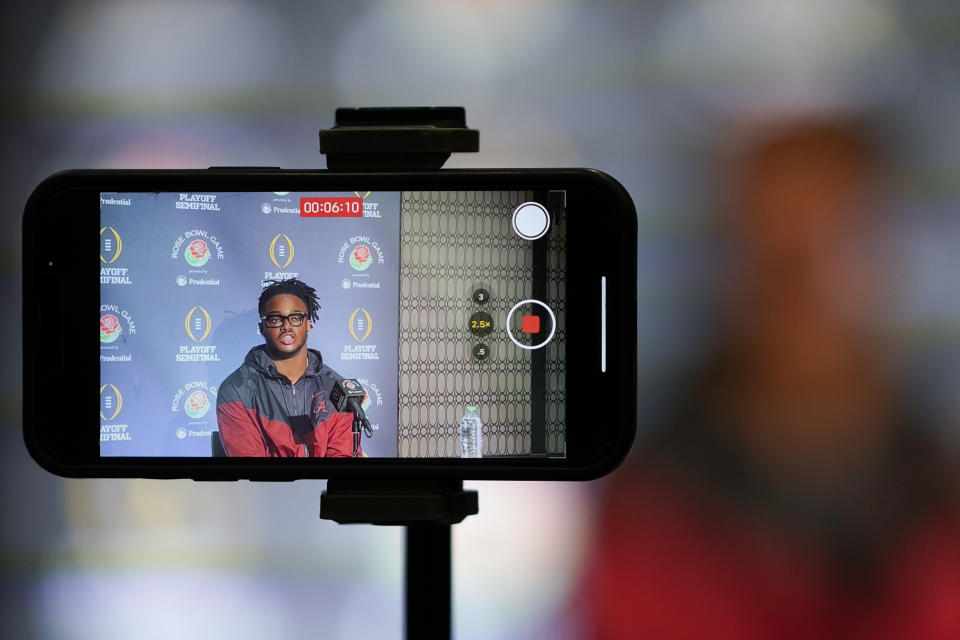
530, 324
350, 207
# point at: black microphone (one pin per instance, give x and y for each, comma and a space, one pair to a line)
348, 394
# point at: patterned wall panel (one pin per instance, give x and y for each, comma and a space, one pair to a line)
452, 244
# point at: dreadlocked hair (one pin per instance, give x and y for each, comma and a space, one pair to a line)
293, 287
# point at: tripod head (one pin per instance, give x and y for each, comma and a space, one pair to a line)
396, 138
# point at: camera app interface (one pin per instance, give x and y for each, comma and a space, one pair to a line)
266, 324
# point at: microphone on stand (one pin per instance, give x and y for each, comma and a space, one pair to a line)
347, 394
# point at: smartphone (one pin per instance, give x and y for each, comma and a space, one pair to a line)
483, 321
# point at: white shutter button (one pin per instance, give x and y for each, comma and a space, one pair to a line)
531, 220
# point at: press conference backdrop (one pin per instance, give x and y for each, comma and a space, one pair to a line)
180, 277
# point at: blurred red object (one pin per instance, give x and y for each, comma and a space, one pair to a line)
670, 566
791, 492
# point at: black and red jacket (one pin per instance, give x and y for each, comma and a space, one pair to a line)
261, 414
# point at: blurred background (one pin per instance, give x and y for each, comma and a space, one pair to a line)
797, 158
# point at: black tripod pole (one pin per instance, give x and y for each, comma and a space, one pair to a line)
428, 509
427, 579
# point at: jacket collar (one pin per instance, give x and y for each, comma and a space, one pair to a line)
258, 359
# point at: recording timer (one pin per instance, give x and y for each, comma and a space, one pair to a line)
328, 207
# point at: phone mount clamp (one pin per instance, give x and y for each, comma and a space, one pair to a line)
404, 139
396, 138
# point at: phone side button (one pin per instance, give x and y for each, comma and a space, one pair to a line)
244, 169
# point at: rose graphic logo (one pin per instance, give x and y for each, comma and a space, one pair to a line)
110, 328
197, 405
197, 253
360, 257
366, 402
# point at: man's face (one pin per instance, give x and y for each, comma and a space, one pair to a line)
286, 340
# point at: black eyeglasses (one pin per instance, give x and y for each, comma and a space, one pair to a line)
275, 320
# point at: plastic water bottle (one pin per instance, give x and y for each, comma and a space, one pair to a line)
471, 434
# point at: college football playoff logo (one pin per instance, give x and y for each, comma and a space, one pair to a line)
110, 402
197, 323
360, 324
111, 246
281, 251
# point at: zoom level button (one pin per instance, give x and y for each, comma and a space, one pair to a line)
481, 323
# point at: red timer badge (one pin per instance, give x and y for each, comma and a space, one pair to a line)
351, 207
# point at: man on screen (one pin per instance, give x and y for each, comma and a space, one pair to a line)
277, 404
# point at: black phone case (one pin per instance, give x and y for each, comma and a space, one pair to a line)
58, 294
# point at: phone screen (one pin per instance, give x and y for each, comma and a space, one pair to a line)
447, 307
